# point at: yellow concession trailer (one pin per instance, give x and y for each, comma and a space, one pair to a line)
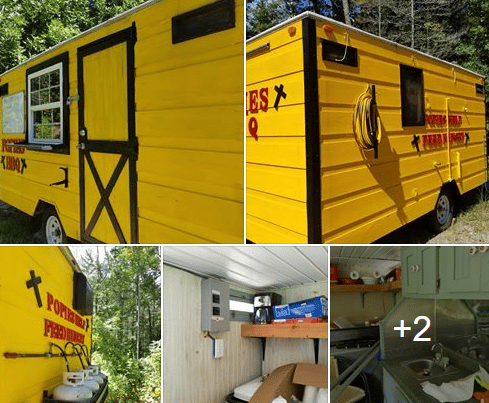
351, 136
46, 326
132, 131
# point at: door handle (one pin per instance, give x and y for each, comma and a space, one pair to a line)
64, 181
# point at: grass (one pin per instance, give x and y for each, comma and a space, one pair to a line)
471, 224
15, 226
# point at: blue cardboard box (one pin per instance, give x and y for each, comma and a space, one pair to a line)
316, 307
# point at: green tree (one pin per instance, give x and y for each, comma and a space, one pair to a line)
29, 27
127, 317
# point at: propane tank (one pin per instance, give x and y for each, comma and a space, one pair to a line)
89, 381
94, 373
96, 370
72, 389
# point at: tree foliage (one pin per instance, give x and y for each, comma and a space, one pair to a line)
127, 320
453, 30
28, 27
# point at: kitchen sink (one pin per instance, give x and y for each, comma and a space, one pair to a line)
425, 368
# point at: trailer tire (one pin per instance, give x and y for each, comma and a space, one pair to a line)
51, 231
444, 210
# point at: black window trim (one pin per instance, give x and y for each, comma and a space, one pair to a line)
63, 148
403, 118
351, 52
3, 90
178, 20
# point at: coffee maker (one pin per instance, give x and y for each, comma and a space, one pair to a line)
263, 303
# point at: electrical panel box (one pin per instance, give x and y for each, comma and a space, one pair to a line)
215, 306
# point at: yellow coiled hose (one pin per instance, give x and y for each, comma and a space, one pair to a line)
366, 121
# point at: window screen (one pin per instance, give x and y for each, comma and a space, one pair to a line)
335, 52
202, 21
412, 96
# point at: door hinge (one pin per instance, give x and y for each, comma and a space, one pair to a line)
438, 283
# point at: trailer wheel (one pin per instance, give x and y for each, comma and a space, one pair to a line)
52, 231
443, 212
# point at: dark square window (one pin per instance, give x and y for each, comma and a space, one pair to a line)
412, 96
336, 52
202, 21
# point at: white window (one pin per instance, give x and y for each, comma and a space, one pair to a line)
45, 105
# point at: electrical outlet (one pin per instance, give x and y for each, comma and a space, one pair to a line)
218, 348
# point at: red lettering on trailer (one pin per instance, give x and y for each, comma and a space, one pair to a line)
437, 119
6, 147
441, 138
64, 312
254, 101
56, 331
264, 99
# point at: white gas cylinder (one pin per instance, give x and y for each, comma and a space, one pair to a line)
89, 381
72, 389
97, 370
95, 374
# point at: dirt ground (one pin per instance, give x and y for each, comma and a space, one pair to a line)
470, 225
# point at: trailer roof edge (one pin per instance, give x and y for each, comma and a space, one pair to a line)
87, 32
309, 14
65, 250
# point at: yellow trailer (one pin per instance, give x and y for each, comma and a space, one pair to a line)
351, 136
46, 327
132, 131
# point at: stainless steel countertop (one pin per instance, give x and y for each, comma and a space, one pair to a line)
411, 387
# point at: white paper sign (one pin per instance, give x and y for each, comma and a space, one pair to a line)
13, 113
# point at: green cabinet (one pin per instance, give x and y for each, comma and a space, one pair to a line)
445, 272
461, 269
419, 270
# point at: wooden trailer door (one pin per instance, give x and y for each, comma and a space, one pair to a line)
107, 141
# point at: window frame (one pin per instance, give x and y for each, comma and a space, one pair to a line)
240, 316
51, 105
53, 145
404, 118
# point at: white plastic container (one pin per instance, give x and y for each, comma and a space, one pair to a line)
73, 388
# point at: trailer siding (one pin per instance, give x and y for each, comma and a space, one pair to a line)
364, 198
22, 380
276, 161
361, 197
188, 116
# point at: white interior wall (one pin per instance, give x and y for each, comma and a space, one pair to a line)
190, 373
349, 306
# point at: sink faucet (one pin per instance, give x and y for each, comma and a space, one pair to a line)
438, 345
473, 337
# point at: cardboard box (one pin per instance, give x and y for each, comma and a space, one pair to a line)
290, 380
308, 308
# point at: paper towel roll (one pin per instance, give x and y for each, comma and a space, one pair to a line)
322, 396
310, 393
354, 275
